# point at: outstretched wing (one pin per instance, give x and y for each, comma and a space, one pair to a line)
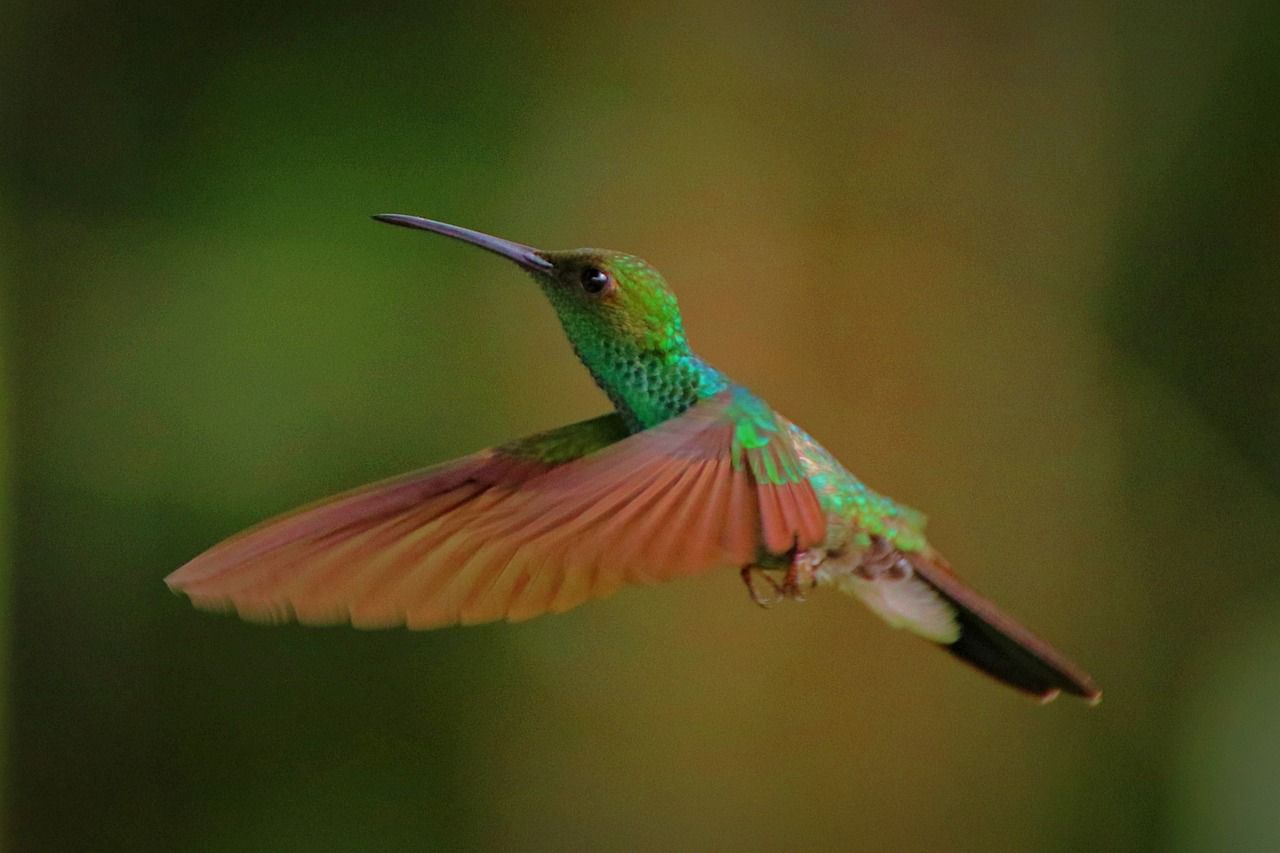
539, 525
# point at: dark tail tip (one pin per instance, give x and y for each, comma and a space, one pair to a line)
996, 644
1017, 663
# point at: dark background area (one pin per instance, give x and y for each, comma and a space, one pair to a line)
1015, 267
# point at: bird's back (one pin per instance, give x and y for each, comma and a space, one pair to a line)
855, 513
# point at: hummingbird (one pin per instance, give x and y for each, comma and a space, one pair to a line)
688, 473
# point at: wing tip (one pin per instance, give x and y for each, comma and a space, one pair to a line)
180, 578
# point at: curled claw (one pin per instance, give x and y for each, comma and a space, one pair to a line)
794, 582
779, 590
798, 578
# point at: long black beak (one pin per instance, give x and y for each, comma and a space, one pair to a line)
526, 256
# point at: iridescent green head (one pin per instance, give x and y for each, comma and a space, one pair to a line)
599, 294
619, 314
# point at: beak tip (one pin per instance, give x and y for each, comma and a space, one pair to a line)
526, 256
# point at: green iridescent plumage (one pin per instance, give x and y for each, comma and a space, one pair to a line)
858, 512
631, 338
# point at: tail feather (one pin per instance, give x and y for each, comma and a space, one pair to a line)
919, 592
994, 643
992, 652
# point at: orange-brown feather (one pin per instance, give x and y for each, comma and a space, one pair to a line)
500, 535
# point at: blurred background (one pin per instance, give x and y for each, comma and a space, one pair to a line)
1015, 266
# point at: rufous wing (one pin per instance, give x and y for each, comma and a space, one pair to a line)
539, 525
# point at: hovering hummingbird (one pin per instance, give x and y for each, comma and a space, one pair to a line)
690, 472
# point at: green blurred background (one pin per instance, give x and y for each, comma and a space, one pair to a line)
1016, 266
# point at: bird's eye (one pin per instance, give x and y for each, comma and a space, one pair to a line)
594, 280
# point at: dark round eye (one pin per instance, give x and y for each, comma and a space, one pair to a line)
594, 279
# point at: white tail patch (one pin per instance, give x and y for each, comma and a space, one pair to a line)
899, 598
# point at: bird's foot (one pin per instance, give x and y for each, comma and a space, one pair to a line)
883, 562
798, 578
791, 584
777, 591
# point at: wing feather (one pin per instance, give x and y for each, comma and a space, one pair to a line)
540, 525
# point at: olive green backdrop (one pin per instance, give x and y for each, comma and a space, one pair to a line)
1016, 267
